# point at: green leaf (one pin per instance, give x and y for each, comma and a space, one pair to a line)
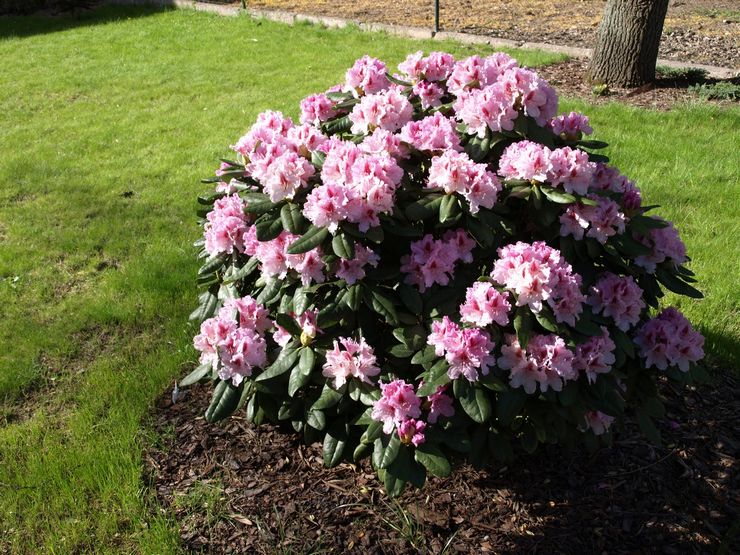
300, 301
546, 319
240, 273
509, 404
492, 382
623, 341
270, 291
207, 307
476, 404
329, 397
478, 148
424, 208
306, 360
433, 460
297, 380
339, 125
343, 246
292, 219
529, 438
317, 158
449, 209
523, 322
268, 227
375, 234
196, 375
391, 447
558, 197
437, 376
405, 468
593, 144
373, 431
411, 298
213, 264
384, 306
310, 240
648, 427
289, 323
334, 443
282, 364
400, 351
676, 284
316, 419
224, 401
586, 326
257, 203
393, 485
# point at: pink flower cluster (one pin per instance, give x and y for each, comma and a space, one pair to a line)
598, 422
600, 222
276, 262
354, 359
571, 127
536, 273
433, 260
433, 133
233, 341
476, 72
666, 245
595, 355
565, 167
467, 350
669, 340
435, 67
357, 187
440, 404
430, 94
619, 298
353, 270
226, 226
389, 110
455, 172
546, 361
484, 304
366, 76
316, 109
398, 402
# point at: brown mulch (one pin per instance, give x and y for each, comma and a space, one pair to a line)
236, 488
698, 31
569, 80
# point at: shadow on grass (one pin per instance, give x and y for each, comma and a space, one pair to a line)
17, 26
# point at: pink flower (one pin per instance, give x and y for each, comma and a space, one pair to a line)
484, 305
276, 262
669, 340
440, 404
353, 270
666, 245
287, 173
307, 138
367, 76
476, 72
213, 332
598, 422
619, 298
242, 351
249, 313
571, 127
226, 225
317, 108
467, 351
268, 128
570, 169
412, 431
354, 360
414, 65
455, 172
281, 336
536, 273
595, 356
525, 160
433, 261
438, 66
433, 133
546, 361
530, 93
398, 402
384, 143
307, 323
327, 206
430, 94
388, 110
484, 109
602, 221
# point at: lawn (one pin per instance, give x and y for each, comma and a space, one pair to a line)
106, 125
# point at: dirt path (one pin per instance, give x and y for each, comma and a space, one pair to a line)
699, 31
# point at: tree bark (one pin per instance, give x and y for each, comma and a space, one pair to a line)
627, 43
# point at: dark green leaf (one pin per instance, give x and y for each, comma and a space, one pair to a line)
316, 419
334, 443
224, 401
339, 125
292, 219
207, 307
289, 323
384, 306
436, 377
343, 246
310, 240
433, 459
593, 144
268, 227
676, 284
297, 379
196, 375
284, 362
559, 197
317, 158
647, 427
411, 298
509, 404
523, 322
269, 291
329, 397
449, 209
391, 446
476, 404
213, 264
300, 301
424, 208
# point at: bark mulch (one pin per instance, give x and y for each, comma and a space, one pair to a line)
236, 488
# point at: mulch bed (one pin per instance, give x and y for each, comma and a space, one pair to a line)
272, 493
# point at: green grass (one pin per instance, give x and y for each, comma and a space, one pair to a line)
95, 286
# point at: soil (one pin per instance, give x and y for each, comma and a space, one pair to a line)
236, 488
698, 31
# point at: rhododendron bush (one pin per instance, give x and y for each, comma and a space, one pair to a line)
433, 265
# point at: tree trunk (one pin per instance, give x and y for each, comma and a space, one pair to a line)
627, 43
